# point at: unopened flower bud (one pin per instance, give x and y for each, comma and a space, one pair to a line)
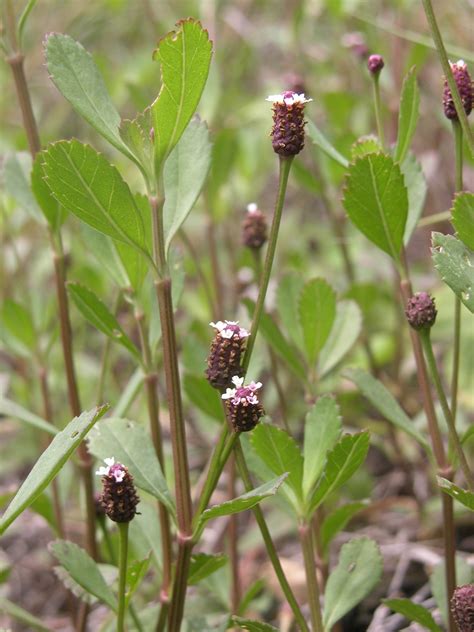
288, 122
245, 411
375, 63
119, 497
462, 607
254, 228
226, 351
465, 87
421, 311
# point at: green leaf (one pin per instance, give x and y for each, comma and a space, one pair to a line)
323, 143
244, 502
344, 459
203, 565
321, 431
86, 184
344, 333
184, 175
19, 324
365, 145
98, 315
287, 298
337, 520
16, 168
185, 57
103, 249
136, 572
52, 210
413, 612
76, 76
463, 217
464, 575
144, 533
415, 183
251, 625
407, 115
137, 135
131, 445
317, 311
381, 398
376, 201
202, 395
49, 464
280, 453
18, 613
83, 570
455, 263
136, 266
462, 495
358, 571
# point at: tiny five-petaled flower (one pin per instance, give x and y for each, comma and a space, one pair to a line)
113, 469
242, 393
229, 328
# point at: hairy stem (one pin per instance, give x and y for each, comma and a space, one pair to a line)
123, 555
443, 58
306, 539
458, 138
431, 361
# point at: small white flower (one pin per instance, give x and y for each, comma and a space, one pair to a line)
227, 328
238, 381
119, 475
230, 392
104, 471
286, 99
461, 64
252, 207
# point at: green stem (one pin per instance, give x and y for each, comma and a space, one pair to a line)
458, 137
431, 361
267, 538
436, 218
285, 166
306, 539
123, 554
443, 57
378, 107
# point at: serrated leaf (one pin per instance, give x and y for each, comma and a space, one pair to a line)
321, 430
203, 565
99, 316
131, 445
137, 135
136, 572
12, 409
359, 569
280, 453
407, 115
244, 502
455, 263
287, 297
415, 183
464, 575
18, 613
50, 463
463, 217
376, 201
462, 495
337, 520
202, 395
69, 583
74, 73
88, 186
317, 311
54, 213
365, 145
83, 570
17, 321
381, 398
344, 459
184, 175
251, 625
344, 333
323, 143
184, 56
413, 612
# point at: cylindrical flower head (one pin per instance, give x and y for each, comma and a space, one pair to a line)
119, 497
421, 311
288, 122
245, 411
254, 228
226, 351
375, 63
465, 87
462, 607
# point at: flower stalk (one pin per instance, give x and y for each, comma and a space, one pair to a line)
458, 141
123, 556
306, 538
